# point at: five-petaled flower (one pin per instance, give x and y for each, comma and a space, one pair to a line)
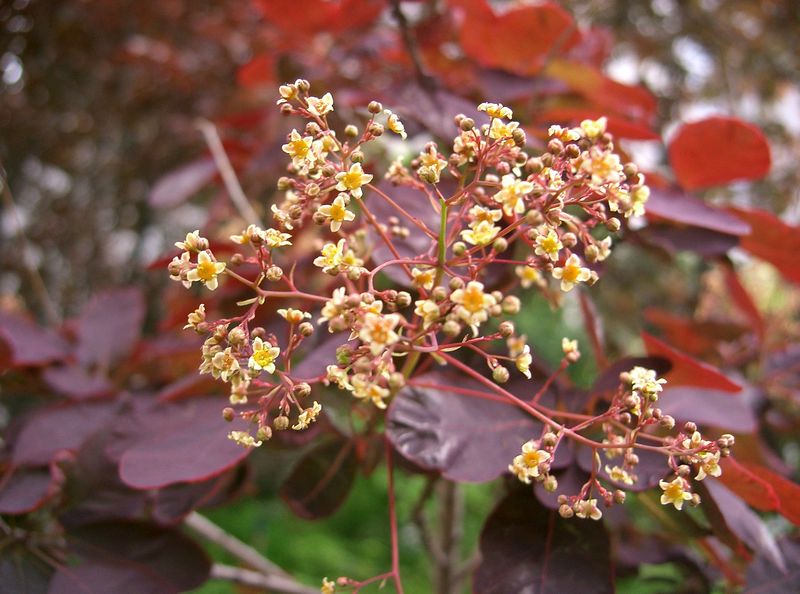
512, 194
675, 492
352, 180
548, 244
206, 271
472, 304
320, 106
264, 355
571, 273
336, 212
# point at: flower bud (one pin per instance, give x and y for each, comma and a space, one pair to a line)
500, 374
500, 244
288, 92
459, 249
683, 471
689, 427
555, 146
313, 128
306, 329
451, 328
302, 85
506, 329
572, 151
619, 496
281, 423
511, 305
274, 273
228, 414
613, 224
569, 239
264, 433
695, 500
357, 157
518, 136
351, 131
466, 124
565, 511
376, 129
439, 294
236, 336
591, 253
534, 165
403, 299
284, 183
301, 390
375, 107
286, 109
667, 421
456, 283
397, 380
550, 483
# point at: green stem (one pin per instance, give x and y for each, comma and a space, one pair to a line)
442, 240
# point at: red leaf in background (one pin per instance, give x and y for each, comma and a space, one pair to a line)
258, 71
298, 17
519, 39
619, 126
772, 240
757, 492
29, 344
743, 301
76, 383
680, 207
788, 492
698, 338
717, 151
177, 186
110, 326
686, 370
606, 93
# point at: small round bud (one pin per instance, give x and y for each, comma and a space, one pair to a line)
506, 329
258, 332
397, 380
302, 85
456, 283
376, 129
353, 300
619, 496
555, 146
729, 440
403, 299
495, 310
459, 249
667, 421
375, 107
451, 328
281, 423
500, 244
613, 224
466, 124
534, 165
284, 183
569, 239
458, 117
439, 294
500, 374
631, 459
296, 212
286, 109
236, 336
313, 128
630, 170
533, 217
572, 151
684, 471
350, 131
264, 433
306, 329
518, 136
328, 171
695, 500
562, 499
274, 273
550, 483
312, 190
547, 160
690, 427
338, 325
591, 253
565, 511
319, 218
344, 354
357, 157
301, 390
625, 418
512, 305
228, 414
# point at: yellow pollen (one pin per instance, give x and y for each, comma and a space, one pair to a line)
571, 273
352, 180
299, 148
337, 212
473, 300
206, 271
263, 357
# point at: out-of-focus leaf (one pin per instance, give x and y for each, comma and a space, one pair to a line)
109, 327
687, 371
720, 409
764, 578
177, 186
131, 557
63, 427
260, 70
470, 437
22, 571
679, 207
528, 549
743, 300
26, 490
772, 240
304, 17
529, 33
756, 491
697, 337
180, 442
77, 383
321, 481
741, 520
652, 468
570, 480
706, 243
434, 110
29, 344
716, 151
787, 491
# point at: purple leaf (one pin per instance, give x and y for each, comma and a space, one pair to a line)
179, 442
764, 578
26, 490
467, 437
22, 571
705, 242
679, 207
131, 557
179, 185
528, 549
322, 479
28, 343
77, 383
109, 327
709, 407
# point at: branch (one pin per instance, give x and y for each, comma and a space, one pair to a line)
272, 583
425, 80
227, 172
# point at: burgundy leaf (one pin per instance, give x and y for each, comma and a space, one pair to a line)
28, 343
131, 557
77, 383
764, 578
322, 479
181, 184
63, 427
186, 442
109, 327
709, 407
527, 549
468, 435
26, 490
772, 240
679, 207
22, 571
706, 243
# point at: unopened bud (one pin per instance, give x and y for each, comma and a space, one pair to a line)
466, 124
500, 374
500, 244
284, 183
569, 239
376, 129
306, 329
667, 421
613, 224
591, 253
375, 107
351, 131
451, 328
264, 433
459, 249
236, 336
302, 85
555, 146
511, 305
619, 496
397, 380
565, 511
518, 136
228, 414
572, 151
301, 390
683, 471
357, 157
506, 329
690, 427
274, 273
286, 109
456, 283
550, 483
281, 423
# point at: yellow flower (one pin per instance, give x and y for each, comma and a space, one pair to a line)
423, 278
336, 212
299, 149
431, 166
264, 355
675, 492
224, 365
472, 304
338, 376
570, 347
275, 239
319, 106
308, 416
194, 242
523, 361
503, 131
594, 128
248, 236
365, 389
619, 474
332, 256
603, 165
328, 587
564, 134
709, 465
516, 345
638, 199
496, 110
206, 271
512, 193
378, 332
572, 273
587, 508
198, 316
352, 180
428, 310
548, 245
243, 438
480, 233
478, 213
528, 276
395, 125
293, 316
334, 306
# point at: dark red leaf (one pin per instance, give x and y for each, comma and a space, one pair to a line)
131, 557
699, 338
26, 490
260, 70
109, 327
77, 383
298, 17
28, 343
720, 409
180, 442
651, 469
527, 548
741, 520
686, 370
517, 40
452, 424
679, 207
772, 240
63, 427
322, 479
177, 186
757, 492
22, 571
788, 492
716, 151
743, 300
764, 578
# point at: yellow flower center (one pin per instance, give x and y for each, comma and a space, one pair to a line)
206, 271
571, 273
352, 180
338, 211
532, 458
473, 300
550, 244
299, 148
674, 492
263, 357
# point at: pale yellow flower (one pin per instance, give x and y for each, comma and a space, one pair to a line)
395, 125
293, 316
428, 310
572, 273
587, 508
247, 237
548, 244
352, 180
243, 438
503, 131
472, 304
275, 239
675, 492
594, 128
224, 365
523, 361
709, 465
528, 276
619, 474
332, 256
194, 242
512, 194
336, 212
378, 332
308, 416
496, 110
320, 106
478, 213
206, 271
336, 375
328, 587
366, 389
480, 233
264, 355
299, 149
423, 278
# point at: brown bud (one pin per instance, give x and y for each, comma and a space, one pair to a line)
690, 427
555, 146
403, 299
466, 124
375, 107
619, 496
301, 390
306, 329
376, 129
613, 224
518, 136
350, 131
274, 273
572, 151
286, 109
565, 511
506, 329
302, 85
228, 414
264, 433
281, 423
534, 165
